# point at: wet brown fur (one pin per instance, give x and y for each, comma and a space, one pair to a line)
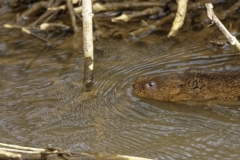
193, 85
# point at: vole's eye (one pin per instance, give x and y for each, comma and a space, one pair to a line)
151, 84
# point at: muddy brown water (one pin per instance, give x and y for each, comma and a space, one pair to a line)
45, 106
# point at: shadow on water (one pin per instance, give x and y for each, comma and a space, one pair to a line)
46, 106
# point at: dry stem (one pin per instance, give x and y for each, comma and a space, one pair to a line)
232, 39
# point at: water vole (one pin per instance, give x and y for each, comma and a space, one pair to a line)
192, 85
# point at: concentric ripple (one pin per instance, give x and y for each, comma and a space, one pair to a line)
46, 105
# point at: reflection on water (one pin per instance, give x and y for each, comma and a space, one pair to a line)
46, 106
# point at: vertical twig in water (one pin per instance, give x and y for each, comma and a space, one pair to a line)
232, 39
87, 42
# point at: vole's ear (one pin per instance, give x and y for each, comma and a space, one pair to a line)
176, 87
178, 84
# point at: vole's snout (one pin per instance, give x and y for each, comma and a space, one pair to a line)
136, 87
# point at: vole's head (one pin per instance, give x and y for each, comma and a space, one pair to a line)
159, 87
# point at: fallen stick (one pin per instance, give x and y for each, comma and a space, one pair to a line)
127, 17
9, 155
88, 42
21, 147
232, 39
113, 6
150, 28
25, 30
132, 157
45, 26
8, 151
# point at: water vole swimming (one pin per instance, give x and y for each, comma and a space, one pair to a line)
192, 85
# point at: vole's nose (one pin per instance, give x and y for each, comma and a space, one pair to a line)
136, 86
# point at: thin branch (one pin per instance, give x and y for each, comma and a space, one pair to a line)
72, 15
24, 30
232, 39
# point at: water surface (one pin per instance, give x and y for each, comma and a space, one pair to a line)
44, 104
